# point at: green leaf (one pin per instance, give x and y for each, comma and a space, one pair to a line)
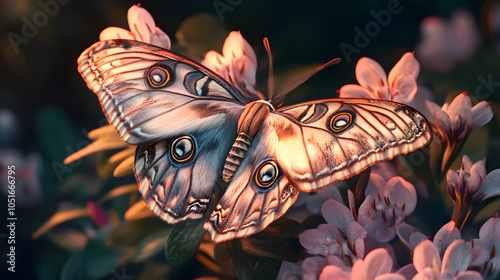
183, 242
130, 233
282, 228
222, 257
96, 261
57, 135
243, 263
272, 248
151, 245
266, 269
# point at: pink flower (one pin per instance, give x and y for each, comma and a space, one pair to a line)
310, 268
143, 28
341, 239
456, 259
400, 86
237, 64
470, 184
485, 249
97, 214
445, 236
446, 43
377, 265
386, 206
454, 122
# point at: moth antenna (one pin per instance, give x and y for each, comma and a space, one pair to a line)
270, 79
298, 81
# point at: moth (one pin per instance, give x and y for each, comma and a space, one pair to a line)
192, 127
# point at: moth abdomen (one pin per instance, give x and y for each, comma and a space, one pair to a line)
236, 154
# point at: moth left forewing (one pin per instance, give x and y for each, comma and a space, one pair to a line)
247, 208
335, 139
186, 98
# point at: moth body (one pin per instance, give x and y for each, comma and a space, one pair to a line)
248, 125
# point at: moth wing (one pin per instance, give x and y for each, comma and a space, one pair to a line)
176, 191
309, 155
320, 143
193, 98
247, 208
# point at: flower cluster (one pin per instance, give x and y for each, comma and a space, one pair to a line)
382, 232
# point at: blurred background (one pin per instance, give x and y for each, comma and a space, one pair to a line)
46, 109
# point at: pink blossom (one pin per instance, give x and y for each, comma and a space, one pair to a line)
386, 206
142, 28
377, 265
446, 43
97, 214
341, 239
469, 186
237, 64
485, 249
456, 259
400, 86
454, 122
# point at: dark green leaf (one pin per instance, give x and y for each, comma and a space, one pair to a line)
183, 242
96, 261
57, 135
223, 257
282, 229
243, 263
272, 248
266, 269
151, 245
130, 233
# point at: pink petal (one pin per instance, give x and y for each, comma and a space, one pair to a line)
445, 236
337, 214
97, 213
481, 114
407, 65
159, 38
490, 187
384, 233
141, 23
460, 105
332, 193
241, 57
469, 275
333, 272
426, 255
371, 75
355, 91
401, 192
312, 267
359, 270
377, 262
408, 271
320, 240
477, 175
376, 185
390, 276
111, 33
452, 179
466, 164
236, 46
456, 258
439, 117
406, 88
